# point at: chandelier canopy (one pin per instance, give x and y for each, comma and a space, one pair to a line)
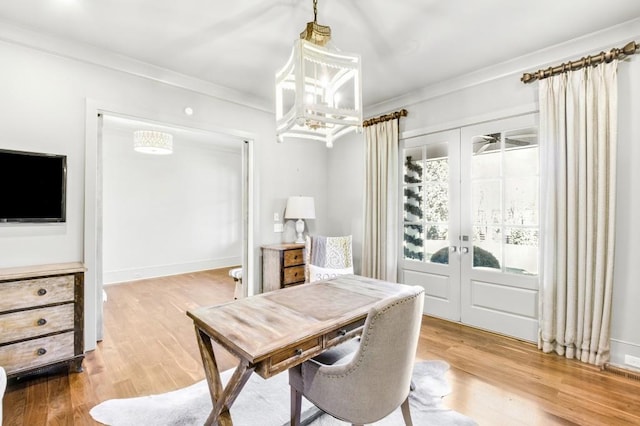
152, 142
318, 91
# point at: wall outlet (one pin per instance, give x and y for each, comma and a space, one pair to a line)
633, 361
276, 217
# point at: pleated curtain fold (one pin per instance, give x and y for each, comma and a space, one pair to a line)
578, 134
380, 240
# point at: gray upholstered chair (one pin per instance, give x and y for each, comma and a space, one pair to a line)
375, 380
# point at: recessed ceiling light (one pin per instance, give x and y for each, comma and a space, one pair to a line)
188, 111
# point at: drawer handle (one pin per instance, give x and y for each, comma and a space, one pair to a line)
298, 352
42, 292
42, 351
42, 321
342, 332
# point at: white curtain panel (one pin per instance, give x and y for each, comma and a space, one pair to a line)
578, 134
380, 245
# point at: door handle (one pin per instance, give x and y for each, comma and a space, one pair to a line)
464, 250
453, 249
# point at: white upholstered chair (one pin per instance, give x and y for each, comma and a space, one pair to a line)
327, 257
376, 379
3, 387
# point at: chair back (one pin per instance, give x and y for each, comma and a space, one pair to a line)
382, 366
327, 257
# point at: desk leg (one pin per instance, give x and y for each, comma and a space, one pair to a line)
222, 399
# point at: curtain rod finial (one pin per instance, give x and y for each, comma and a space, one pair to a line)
630, 48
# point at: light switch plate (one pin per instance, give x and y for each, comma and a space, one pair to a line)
278, 227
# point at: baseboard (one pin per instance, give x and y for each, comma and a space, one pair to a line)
134, 274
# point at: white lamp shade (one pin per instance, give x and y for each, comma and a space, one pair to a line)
300, 208
152, 142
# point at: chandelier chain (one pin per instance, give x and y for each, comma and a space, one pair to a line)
315, 11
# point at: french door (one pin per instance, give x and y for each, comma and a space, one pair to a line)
470, 224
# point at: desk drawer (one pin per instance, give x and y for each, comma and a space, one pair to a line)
286, 358
35, 322
293, 257
37, 352
292, 275
345, 333
22, 294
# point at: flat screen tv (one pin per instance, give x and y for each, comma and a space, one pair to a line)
32, 187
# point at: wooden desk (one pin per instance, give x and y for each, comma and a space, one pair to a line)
275, 331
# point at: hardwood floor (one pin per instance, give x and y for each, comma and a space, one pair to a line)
150, 347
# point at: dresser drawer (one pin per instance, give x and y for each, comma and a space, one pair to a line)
37, 352
293, 257
293, 274
22, 294
35, 322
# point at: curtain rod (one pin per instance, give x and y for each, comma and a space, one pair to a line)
615, 53
391, 116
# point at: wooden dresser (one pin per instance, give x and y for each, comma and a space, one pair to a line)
282, 266
41, 317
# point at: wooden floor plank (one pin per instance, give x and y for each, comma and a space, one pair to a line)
149, 347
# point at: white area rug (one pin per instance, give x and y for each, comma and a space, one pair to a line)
266, 403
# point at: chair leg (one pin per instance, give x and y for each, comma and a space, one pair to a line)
296, 406
406, 412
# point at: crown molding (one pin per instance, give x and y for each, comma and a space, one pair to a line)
11, 33
605, 39
588, 44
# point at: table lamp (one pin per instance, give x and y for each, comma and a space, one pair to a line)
300, 208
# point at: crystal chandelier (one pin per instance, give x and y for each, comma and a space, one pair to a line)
318, 91
152, 142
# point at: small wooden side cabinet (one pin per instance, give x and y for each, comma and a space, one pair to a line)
282, 266
41, 318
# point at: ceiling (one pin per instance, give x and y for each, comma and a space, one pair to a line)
405, 45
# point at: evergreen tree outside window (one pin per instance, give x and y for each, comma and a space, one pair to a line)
426, 193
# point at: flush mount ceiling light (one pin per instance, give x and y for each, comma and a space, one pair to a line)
152, 142
318, 91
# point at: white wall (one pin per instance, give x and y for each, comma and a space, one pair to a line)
169, 214
42, 108
345, 186
625, 333
495, 93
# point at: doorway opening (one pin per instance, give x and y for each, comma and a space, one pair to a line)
190, 142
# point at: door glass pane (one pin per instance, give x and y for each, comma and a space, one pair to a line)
414, 241
437, 203
484, 163
413, 169
426, 202
521, 201
504, 187
413, 204
486, 202
487, 246
438, 244
521, 250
